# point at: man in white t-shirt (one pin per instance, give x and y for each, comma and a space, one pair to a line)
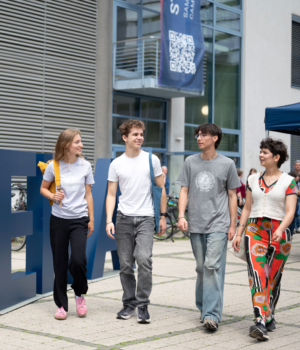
135, 223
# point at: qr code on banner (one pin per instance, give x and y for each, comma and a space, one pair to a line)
182, 53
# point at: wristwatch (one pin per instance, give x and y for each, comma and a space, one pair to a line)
163, 214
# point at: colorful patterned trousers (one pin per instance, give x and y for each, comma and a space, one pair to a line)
266, 260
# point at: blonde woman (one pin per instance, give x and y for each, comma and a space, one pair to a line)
72, 222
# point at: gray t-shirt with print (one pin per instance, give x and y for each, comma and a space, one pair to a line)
74, 177
208, 182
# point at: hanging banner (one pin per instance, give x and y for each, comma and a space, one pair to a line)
182, 45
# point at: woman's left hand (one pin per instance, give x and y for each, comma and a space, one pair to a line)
90, 228
277, 236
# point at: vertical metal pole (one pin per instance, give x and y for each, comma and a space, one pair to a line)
114, 64
267, 133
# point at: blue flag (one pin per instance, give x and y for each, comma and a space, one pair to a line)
182, 45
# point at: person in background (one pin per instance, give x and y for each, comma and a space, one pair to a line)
297, 169
295, 223
297, 166
166, 179
240, 191
251, 172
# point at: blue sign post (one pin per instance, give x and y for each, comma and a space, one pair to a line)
19, 286
182, 45
38, 249
99, 243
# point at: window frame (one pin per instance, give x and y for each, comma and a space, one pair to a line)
214, 27
141, 97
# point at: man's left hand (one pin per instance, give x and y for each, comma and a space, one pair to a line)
162, 226
231, 233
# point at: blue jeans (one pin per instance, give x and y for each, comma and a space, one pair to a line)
210, 251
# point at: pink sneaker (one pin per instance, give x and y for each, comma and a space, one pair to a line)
60, 314
81, 308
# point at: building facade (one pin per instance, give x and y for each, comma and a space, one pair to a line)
93, 64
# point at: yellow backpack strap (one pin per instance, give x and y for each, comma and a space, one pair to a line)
57, 176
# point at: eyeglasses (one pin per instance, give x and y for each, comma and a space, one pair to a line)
200, 135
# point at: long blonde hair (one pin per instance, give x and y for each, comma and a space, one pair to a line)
64, 140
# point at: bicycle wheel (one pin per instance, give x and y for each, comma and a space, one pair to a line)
169, 231
18, 243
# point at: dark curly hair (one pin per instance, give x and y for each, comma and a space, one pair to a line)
212, 129
276, 147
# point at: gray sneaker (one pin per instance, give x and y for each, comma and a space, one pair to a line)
210, 324
126, 313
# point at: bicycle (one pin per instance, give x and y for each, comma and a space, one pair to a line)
172, 218
17, 243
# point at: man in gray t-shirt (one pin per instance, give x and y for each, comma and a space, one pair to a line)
208, 183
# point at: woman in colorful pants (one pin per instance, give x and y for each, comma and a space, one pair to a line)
72, 219
269, 209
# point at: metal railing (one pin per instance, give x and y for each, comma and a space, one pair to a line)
136, 59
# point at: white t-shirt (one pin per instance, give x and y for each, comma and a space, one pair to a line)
133, 175
73, 178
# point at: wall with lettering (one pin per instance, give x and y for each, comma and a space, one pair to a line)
34, 223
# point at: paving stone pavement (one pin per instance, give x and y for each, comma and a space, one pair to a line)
175, 318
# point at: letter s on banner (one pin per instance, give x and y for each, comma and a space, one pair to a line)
174, 8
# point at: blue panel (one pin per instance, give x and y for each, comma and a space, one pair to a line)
99, 243
182, 46
284, 119
39, 254
14, 288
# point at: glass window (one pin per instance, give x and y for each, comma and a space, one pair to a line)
127, 28
152, 4
116, 135
125, 105
296, 52
135, 2
229, 143
236, 161
206, 13
189, 139
198, 110
127, 24
153, 109
154, 135
232, 3
227, 19
151, 24
227, 80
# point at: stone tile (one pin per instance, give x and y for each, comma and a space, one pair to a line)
174, 314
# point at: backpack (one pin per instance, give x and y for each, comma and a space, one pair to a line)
56, 181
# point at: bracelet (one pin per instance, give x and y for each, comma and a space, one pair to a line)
182, 217
108, 223
241, 225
